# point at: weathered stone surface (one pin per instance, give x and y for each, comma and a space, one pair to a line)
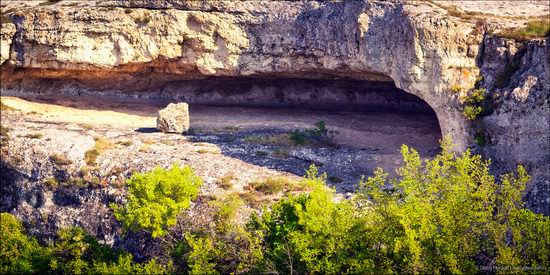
174, 118
7, 30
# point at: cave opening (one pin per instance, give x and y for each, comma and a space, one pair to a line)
320, 94
368, 121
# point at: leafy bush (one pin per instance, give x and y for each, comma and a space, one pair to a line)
19, 254
456, 88
312, 233
471, 112
476, 96
157, 197
229, 249
298, 137
445, 215
479, 138
318, 136
74, 252
227, 208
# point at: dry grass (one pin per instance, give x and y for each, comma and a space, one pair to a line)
469, 15
34, 135
272, 185
251, 198
225, 182
101, 145
4, 107
124, 143
4, 131
51, 183
86, 126
144, 148
280, 153
534, 29
279, 140
60, 160
208, 151
148, 141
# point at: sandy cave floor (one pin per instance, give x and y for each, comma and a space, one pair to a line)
219, 140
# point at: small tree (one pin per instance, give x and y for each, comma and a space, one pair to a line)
157, 197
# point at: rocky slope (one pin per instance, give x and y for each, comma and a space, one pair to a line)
148, 48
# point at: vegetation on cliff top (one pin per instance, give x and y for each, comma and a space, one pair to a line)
444, 215
533, 29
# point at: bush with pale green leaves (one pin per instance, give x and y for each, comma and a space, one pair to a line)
444, 215
156, 198
73, 252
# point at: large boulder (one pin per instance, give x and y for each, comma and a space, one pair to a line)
174, 118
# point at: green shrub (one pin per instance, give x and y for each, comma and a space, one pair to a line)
298, 137
156, 198
229, 249
476, 96
126, 265
321, 128
312, 233
19, 254
444, 215
479, 139
74, 252
202, 255
227, 208
456, 88
471, 112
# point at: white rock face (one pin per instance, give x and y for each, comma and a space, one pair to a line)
174, 118
6, 33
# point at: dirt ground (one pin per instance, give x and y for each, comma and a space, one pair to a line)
364, 140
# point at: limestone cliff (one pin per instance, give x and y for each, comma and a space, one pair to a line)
129, 48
